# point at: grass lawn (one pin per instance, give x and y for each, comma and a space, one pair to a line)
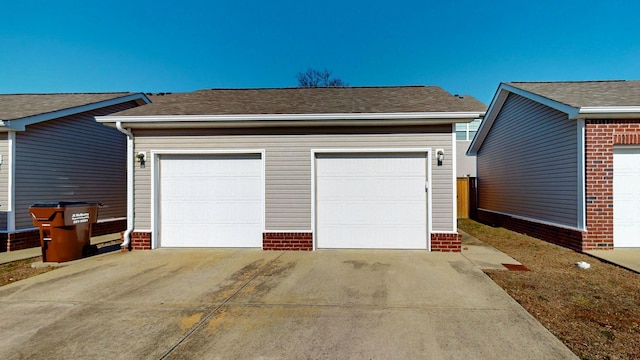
595, 312
19, 270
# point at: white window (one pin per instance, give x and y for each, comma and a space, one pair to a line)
466, 131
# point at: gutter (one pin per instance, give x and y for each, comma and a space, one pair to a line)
130, 167
287, 120
607, 112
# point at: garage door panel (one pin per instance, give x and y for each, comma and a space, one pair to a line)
359, 238
626, 197
371, 201
360, 188
367, 213
211, 201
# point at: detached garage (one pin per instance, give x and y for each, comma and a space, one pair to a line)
295, 169
561, 161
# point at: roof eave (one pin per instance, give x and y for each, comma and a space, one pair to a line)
278, 120
20, 124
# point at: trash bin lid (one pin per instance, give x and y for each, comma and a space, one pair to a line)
61, 204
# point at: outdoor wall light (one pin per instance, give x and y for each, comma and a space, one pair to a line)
440, 156
141, 157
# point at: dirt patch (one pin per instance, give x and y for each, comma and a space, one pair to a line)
595, 311
20, 270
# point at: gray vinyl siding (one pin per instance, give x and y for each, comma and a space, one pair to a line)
288, 165
466, 165
72, 159
4, 173
528, 163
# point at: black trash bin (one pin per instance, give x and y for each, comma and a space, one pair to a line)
65, 229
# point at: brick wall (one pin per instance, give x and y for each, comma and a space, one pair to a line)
600, 137
19, 240
568, 238
287, 241
446, 242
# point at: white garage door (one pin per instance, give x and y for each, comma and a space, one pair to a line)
211, 201
372, 201
626, 197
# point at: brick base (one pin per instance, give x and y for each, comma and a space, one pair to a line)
287, 241
446, 242
108, 227
568, 238
139, 241
21, 240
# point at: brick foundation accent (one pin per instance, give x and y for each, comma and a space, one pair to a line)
108, 227
139, 241
446, 242
19, 240
600, 138
568, 238
287, 241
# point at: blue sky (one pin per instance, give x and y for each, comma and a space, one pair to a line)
466, 47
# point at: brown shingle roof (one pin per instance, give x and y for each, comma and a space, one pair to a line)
586, 93
16, 106
308, 101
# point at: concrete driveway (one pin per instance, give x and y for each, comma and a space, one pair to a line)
252, 304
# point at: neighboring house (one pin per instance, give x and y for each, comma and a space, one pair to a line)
296, 168
561, 161
466, 165
51, 149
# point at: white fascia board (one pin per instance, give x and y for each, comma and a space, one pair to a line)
571, 111
608, 112
22, 123
496, 105
280, 119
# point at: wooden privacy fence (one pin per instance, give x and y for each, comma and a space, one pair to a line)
466, 196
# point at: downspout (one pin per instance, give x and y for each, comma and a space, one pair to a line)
130, 168
11, 186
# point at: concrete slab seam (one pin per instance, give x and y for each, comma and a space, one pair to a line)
211, 313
